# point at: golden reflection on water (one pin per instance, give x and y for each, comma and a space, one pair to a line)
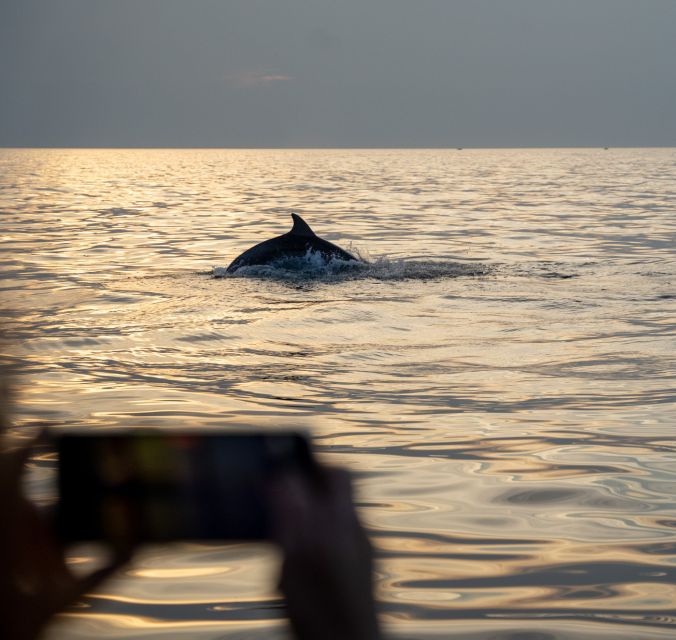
192, 572
127, 626
504, 394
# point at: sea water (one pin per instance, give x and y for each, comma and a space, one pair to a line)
499, 377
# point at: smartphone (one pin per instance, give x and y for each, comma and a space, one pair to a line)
158, 487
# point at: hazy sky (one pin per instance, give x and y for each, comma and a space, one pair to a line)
347, 73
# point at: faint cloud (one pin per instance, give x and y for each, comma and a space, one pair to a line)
256, 78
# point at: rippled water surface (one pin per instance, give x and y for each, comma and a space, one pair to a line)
500, 377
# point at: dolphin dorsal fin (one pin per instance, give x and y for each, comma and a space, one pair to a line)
300, 227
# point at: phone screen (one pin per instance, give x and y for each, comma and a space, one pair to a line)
162, 486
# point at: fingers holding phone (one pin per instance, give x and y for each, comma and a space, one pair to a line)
326, 574
128, 489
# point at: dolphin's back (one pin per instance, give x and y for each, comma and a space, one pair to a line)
269, 251
295, 243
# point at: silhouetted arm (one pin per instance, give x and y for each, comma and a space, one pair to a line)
35, 582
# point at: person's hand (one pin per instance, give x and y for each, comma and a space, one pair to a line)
327, 570
35, 582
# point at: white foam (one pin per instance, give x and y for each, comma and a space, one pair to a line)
314, 266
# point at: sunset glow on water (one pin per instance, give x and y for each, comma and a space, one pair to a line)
500, 377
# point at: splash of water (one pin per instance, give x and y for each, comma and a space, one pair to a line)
314, 266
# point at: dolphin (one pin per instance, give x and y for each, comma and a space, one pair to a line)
296, 243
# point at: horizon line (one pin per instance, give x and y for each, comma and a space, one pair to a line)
346, 148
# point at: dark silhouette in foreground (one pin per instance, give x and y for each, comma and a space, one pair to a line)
35, 582
326, 577
297, 243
